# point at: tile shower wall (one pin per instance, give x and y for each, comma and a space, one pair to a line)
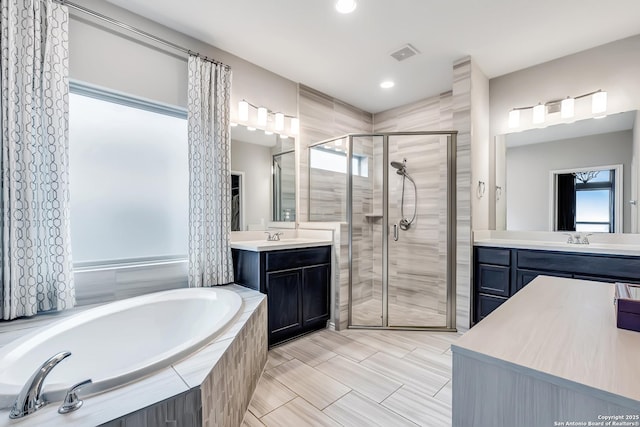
322, 117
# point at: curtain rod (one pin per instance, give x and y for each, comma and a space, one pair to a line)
137, 31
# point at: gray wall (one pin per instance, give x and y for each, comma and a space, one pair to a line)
613, 67
108, 57
528, 170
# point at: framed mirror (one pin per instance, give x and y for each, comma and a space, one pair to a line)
533, 167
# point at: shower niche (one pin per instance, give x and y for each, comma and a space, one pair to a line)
397, 193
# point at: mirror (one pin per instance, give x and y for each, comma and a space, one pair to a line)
284, 186
252, 157
535, 167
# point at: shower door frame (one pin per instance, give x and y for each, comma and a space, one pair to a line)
451, 227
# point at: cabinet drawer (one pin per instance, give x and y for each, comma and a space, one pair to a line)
486, 304
496, 256
616, 267
295, 258
524, 277
493, 279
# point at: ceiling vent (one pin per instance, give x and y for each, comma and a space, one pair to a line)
406, 51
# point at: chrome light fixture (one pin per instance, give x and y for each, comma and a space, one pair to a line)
566, 107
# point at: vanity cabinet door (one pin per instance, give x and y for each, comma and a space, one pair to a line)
315, 294
486, 304
284, 298
493, 279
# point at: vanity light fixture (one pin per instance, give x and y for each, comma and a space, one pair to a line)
233, 124
566, 107
538, 114
599, 103
514, 118
264, 117
279, 121
346, 6
268, 132
243, 111
250, 128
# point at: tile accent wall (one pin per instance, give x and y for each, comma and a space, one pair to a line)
323, 117
462, 123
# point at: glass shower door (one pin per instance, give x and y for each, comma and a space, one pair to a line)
418, 250
367, 238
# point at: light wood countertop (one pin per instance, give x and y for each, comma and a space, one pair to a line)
564, 328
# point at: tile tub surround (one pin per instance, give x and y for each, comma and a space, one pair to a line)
231, 365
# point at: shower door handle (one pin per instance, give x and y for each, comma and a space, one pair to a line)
395, 232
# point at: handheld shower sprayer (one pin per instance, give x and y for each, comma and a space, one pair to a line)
401, 169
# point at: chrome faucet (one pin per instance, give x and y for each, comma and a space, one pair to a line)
275, 237
29, 400
578, 239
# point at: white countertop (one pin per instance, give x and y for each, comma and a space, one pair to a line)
286, 243
564, 330
596, 248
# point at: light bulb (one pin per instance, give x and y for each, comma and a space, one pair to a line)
295, 125
599, 103
346, 6
538, 114
514, 118
243, 111
567, 108
262, 116
250, 128
279, 124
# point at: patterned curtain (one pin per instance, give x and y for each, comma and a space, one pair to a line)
209, 174
35, 249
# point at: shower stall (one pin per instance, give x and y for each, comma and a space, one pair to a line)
396, 191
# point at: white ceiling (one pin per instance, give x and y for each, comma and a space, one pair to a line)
347, 56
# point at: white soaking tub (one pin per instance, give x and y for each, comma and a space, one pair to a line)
118, 342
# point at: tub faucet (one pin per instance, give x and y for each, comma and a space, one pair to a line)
29, 399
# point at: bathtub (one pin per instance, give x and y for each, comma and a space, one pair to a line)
119, 342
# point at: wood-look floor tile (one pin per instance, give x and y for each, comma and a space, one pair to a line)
340, 344
276, 357
406, 372
269, 395
420, 339
298, 413
356, 410
307, 352
317, 388
419, 407
439, 363
250, 420
369, 383
445, 394
380, 342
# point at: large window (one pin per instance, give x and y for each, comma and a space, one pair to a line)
128, 179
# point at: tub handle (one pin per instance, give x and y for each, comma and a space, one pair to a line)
71, 401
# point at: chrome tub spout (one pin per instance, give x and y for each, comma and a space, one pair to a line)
29, 399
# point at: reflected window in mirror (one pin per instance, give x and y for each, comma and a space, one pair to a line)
585, 201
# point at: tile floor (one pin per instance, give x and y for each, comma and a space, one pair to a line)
356, 378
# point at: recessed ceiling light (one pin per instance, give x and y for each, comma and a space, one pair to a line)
346, 6
387, 84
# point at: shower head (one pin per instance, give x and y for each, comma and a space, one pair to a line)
397, 165
401, 167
